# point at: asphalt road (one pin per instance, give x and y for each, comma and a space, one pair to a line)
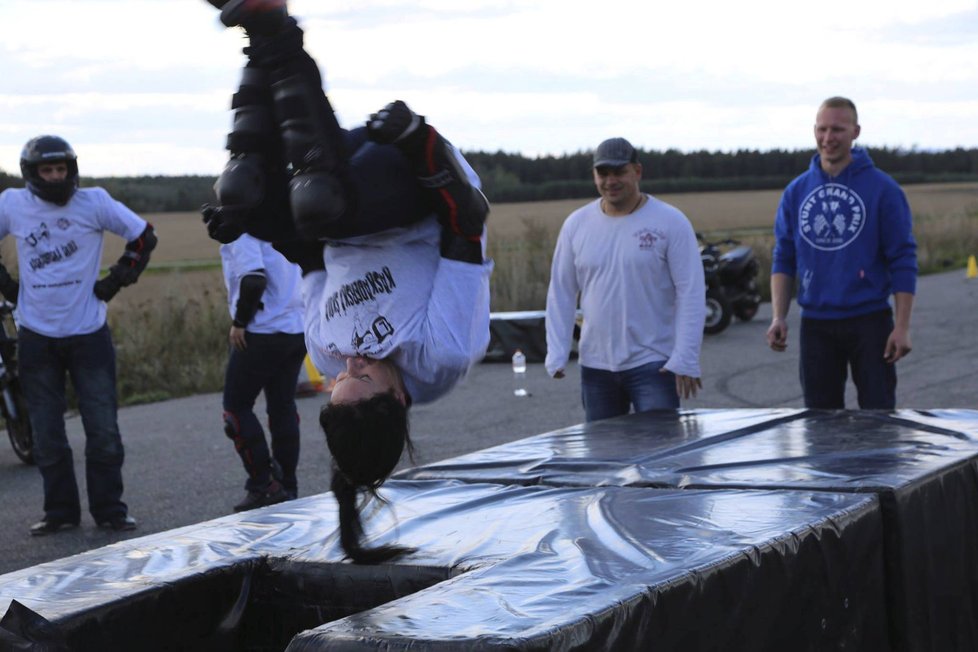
180, 469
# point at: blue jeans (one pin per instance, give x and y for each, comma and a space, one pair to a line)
270, 364
610, 393
89, 360
830, 346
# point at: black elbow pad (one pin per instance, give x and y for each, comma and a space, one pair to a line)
135, 257
249, 297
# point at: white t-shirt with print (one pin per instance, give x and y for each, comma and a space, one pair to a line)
59, 253
281, 303
392, 295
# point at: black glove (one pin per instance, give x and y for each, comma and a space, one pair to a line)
108, 287
460, 248
396, 123
224, 223
307, 254
135, 257
9, 287
126, 276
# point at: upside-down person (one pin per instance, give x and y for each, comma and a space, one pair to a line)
386, 222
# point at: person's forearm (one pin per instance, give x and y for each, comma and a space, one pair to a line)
780, 295
903, 307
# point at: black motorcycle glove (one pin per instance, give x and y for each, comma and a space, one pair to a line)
308, 255
457, 247
396, 123
9, 287
108, 287
135, 257
224, 223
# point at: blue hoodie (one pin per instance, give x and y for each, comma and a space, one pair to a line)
848, 239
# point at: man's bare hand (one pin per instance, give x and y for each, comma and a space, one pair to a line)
897, 345
686, 386
237, 338
777, 335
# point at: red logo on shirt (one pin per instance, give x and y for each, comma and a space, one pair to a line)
647, 238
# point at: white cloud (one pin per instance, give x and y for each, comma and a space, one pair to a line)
142, 86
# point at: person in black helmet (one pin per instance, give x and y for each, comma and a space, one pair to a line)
61, 308
387, 223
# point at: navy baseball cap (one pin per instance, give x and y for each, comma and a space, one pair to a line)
615, 152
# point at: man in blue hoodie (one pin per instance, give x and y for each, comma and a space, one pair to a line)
844, 230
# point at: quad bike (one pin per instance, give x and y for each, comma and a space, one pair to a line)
13, 406
731, 283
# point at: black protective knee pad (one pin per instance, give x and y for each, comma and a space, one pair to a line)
310, 135
251, 142
313, 144
231, 427
242, 182
318, 201
233, 431
254, 128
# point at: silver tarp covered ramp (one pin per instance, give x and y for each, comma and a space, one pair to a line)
689, 530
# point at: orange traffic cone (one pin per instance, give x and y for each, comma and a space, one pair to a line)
310, 381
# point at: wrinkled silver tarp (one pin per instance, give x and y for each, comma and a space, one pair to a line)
921, 465
694, 530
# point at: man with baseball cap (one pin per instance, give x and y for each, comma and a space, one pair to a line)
635, 263
615, 152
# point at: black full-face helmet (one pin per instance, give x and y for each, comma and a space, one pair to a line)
49, 149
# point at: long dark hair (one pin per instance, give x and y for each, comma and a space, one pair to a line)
366, 439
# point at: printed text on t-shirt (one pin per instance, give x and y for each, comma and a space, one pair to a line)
360, 291
54, 256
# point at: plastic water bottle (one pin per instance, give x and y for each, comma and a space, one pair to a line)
519, 374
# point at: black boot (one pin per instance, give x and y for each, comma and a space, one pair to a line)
255, 16
272, 494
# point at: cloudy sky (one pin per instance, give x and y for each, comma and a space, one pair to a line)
143, 86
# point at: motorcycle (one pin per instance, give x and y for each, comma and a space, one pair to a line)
731, 283
13, 405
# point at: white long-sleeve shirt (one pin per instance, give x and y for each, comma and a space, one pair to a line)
640, 280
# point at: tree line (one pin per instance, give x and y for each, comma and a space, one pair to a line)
509, 177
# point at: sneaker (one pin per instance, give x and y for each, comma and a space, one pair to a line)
393, 123
118, 523
49, 525
255, 16
273, 494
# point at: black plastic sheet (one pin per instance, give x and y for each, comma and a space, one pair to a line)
497, 567
689, 530
509, 331
922, 465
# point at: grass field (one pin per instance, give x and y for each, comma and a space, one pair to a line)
184, 241
712, 212
194, 259
171, 328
